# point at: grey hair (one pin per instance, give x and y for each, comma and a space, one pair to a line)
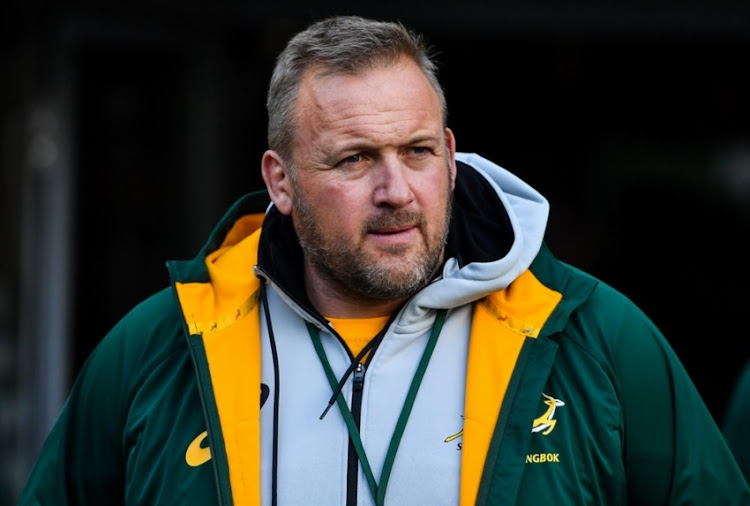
339, 45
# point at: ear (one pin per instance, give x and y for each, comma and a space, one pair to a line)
277, 181
450, 143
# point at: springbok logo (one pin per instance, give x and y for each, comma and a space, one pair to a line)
457, 435
546, 422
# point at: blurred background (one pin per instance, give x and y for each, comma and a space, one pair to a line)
127, 129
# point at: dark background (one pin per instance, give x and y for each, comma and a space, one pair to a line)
631, 119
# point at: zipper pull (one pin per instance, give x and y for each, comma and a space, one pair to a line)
359, 377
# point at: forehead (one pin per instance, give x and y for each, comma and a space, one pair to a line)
389, 96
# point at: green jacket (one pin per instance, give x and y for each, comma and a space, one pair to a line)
735, 425
573, 396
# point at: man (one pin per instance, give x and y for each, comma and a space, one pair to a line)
391, 329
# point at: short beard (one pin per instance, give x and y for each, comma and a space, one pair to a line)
344, 266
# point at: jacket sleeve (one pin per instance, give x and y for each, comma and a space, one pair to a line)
674, 452
83, 459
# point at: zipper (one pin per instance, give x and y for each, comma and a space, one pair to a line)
192, 344
261, 273
352, 473
292, 301
193, 341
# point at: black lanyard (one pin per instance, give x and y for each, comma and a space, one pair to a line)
378, 492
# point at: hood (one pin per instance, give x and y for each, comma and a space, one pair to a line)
497, 229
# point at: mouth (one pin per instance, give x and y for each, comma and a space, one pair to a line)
397, 238
392, 230
396, 232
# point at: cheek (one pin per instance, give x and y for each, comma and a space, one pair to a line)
432, 194
340, 212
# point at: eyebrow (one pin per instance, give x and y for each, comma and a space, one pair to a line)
425, 138
363, 145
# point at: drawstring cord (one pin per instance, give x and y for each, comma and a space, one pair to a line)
275, 356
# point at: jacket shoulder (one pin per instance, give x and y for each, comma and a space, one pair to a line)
152, 328
585, 299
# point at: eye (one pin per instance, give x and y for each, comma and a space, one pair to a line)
420, 152
351, 161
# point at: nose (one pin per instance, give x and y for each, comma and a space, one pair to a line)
393, 183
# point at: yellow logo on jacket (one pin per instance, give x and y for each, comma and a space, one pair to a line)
546, 422
196, 454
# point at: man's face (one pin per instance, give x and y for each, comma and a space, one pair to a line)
373, 180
